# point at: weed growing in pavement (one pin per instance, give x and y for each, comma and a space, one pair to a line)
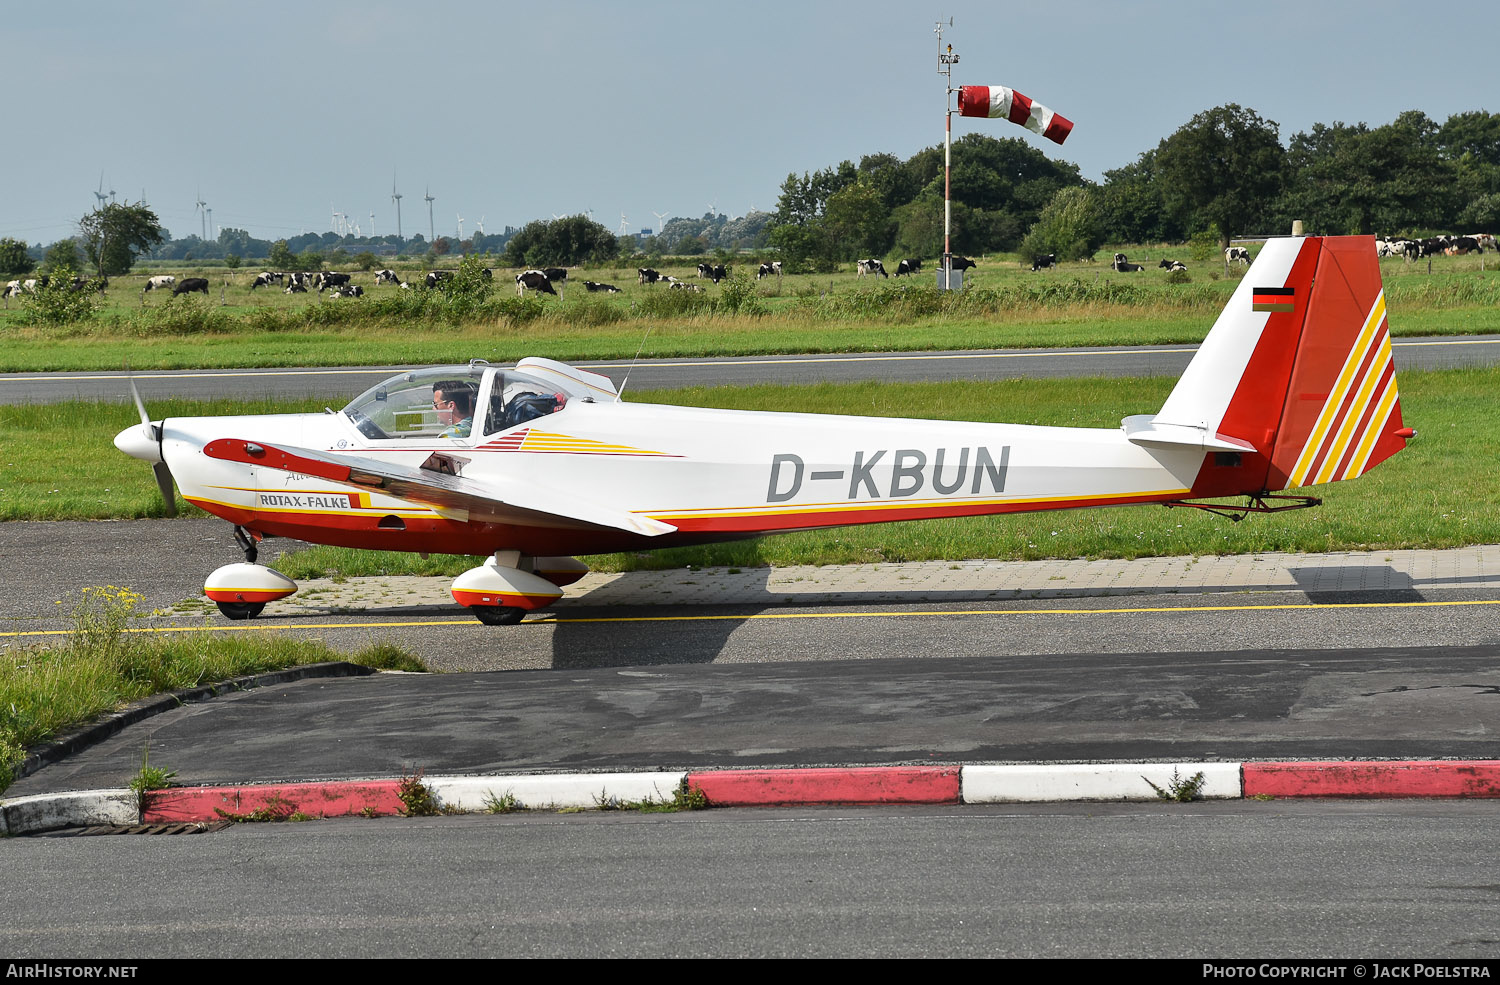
149, 778
684, 798
1180, 790
417, 798
505, 804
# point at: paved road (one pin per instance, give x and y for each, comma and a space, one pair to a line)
1390, 655
1267, 882
340, 384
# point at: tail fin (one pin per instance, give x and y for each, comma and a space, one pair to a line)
1298, 368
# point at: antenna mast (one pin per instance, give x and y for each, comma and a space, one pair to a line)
396, 197
946, 60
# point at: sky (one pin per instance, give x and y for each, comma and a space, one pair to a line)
278, 114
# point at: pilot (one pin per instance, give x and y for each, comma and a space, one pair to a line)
454, 402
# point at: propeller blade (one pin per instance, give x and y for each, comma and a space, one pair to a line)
164, 483
140, 404
159, 467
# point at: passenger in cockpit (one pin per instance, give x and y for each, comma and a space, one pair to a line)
529, 406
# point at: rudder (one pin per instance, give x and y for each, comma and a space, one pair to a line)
1313, 397
1343, 410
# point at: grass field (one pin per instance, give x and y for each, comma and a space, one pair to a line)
1438, 493
1004, 305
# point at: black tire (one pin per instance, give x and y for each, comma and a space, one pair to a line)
241, 610
497, 615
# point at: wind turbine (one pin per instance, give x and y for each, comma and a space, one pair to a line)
480, 225
623, 225
429, 199
100, 193
659, 217
202, 219
210, 220
460, 227
372, 225
396, 197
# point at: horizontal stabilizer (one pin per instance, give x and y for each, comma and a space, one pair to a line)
508, 500
1143, 429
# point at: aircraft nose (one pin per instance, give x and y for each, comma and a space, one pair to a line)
140, 441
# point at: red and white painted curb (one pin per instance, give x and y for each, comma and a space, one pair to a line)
977, 784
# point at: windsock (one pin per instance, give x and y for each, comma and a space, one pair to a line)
998, 102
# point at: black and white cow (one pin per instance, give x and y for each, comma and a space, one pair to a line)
535, 280
961, 263
386, 277
683, 285
871, 267
12, 290
159, 282
556, 274
436, 277
266, 278
1460, 245
348, 291
1124, 266
589, 285
1043, 262
714, 272
1433, 245
772, 269
322, 280
1237, 254
908, 266
190, 284
1172, 266
645, 275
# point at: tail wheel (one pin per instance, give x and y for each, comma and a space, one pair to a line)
241, 610
495, 615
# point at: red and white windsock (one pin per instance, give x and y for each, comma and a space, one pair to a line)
1000, 103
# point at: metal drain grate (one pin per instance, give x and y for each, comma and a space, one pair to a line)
136, 829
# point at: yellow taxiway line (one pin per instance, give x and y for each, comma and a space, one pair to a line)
550, 619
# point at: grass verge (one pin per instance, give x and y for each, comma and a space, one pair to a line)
1005, 306
44, 692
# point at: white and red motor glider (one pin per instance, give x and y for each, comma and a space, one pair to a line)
1294, 386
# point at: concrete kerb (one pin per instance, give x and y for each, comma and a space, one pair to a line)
972, 784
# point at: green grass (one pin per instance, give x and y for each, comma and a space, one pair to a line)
1005, 305
1438, 493
46, 691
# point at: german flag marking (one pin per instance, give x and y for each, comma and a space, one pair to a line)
1273, 299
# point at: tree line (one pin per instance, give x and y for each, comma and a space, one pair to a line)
1224, 173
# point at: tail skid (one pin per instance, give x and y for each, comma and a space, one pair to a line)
1294, 385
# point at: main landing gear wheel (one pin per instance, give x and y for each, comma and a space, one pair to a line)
241, 610
492, 615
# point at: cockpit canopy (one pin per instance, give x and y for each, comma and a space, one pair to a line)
402, 406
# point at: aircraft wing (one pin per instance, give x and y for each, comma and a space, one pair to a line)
499, 502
